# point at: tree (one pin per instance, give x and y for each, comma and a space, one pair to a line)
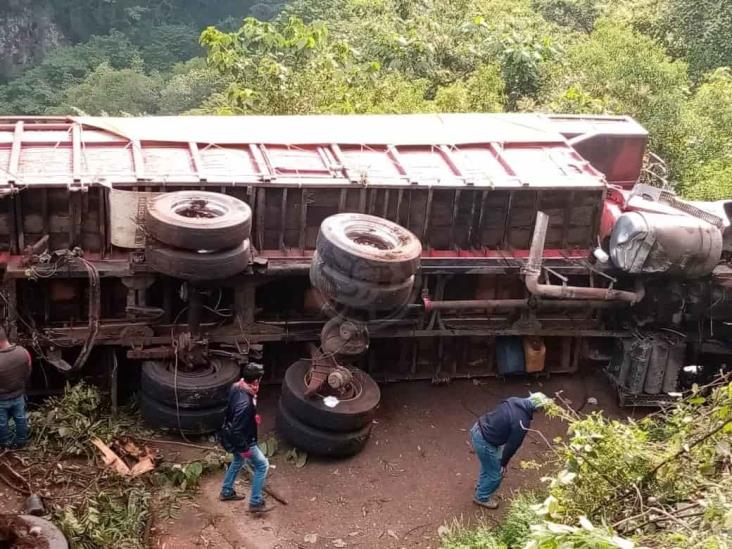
707, 160
114, 92
702, 33
482, 91
44, 85
617, 70
579, 15
190, 86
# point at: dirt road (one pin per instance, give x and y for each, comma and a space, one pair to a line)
416, 473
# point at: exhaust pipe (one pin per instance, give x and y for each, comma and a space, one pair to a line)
533, 270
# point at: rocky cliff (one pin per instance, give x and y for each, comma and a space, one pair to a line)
27, 31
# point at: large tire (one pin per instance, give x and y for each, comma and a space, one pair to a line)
198, 220
358, 294
198, 266
199, 389
348, 415
368, 248
46, 534
318, 442
200, 421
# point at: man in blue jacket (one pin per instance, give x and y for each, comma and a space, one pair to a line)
496, 436
239, 436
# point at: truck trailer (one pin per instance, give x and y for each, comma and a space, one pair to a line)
342, 251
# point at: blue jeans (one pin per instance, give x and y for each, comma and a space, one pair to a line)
15, 409
259, 464
489, 456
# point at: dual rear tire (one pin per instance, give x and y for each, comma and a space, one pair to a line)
365, 262
309, 424
198, 235
189, 402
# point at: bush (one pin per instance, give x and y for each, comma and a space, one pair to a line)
459, 536
516, 525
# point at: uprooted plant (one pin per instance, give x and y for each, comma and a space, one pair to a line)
662, 481
94, 506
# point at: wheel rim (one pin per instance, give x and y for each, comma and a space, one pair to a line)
369, 237
352, 391
198, 208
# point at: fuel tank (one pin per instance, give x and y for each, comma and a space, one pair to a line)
645, 242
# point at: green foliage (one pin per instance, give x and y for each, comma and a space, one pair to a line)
618, 70
164, 45
459, 536
110, 510
65, 425
269, 446
702, 33
516, 525
297, 457
481, 91
404, 56
707, 153
107, 520
188, 87
113, 92
549, 535
512, 532
44, 85
665, 481
579, 15
631, 473
186, 476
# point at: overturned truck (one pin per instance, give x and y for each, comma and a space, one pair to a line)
340, 250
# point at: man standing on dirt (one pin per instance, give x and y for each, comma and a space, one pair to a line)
496, 437
15, 369
239, 436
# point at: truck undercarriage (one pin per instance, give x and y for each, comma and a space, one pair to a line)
512, 244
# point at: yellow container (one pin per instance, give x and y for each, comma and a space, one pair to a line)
534, 354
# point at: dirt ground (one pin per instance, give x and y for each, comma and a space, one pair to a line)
416, 473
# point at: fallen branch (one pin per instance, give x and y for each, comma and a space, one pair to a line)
668, 460
584, 458
17, 475
660, 519
269, 491
22, 491
187, 444
415, 528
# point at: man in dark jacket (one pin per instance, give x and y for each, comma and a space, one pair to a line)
15, 369
496, 436
239, 436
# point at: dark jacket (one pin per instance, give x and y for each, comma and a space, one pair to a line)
240, 425
15, 369
502, 426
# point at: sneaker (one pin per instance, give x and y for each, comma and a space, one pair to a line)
260, 508
233, 496
17, 445
490, 504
